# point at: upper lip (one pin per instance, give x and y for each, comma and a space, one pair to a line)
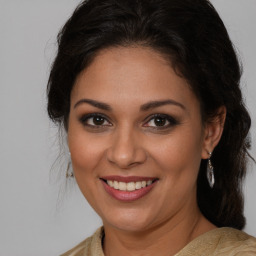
128, 178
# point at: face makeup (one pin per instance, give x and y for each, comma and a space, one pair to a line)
136, 137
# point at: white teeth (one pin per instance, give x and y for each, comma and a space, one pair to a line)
149, 182
130, 186
138, 185
122, 186
110, 183
116, 184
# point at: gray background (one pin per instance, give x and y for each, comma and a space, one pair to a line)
39, 213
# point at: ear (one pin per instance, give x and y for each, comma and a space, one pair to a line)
213, 131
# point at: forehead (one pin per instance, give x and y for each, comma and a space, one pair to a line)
131, 75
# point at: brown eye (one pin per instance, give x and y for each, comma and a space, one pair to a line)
160, 121
94, 120
98, 120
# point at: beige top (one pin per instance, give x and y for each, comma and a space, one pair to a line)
220, 241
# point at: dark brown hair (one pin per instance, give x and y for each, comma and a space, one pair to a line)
191, 34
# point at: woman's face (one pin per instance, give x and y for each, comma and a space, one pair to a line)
136, 139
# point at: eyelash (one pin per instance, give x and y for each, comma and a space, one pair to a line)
172, 121
84, 120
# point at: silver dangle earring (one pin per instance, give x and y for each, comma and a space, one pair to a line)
210, 172
69, 174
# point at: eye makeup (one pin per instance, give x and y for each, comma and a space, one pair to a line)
161, 121
155, 122
95, 121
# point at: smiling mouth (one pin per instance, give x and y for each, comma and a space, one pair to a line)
128, 188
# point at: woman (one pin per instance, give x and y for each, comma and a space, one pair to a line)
148, 92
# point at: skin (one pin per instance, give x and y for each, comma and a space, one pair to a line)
130, 143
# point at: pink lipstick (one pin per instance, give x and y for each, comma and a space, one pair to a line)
129, 188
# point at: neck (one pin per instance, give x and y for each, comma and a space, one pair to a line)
169, 237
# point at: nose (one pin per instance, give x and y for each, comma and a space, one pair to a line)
126, 150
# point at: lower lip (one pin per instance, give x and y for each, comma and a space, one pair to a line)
127, 196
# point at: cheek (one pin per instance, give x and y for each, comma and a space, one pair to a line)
86, 150
86, 155
179, 155
179, 160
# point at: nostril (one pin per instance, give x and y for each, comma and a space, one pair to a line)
125, 157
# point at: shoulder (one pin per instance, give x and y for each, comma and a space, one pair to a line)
223, 242
237, 242
89, 247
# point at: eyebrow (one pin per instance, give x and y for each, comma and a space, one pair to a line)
145, 107
97, 104
155, 104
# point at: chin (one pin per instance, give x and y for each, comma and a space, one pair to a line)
129, 221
